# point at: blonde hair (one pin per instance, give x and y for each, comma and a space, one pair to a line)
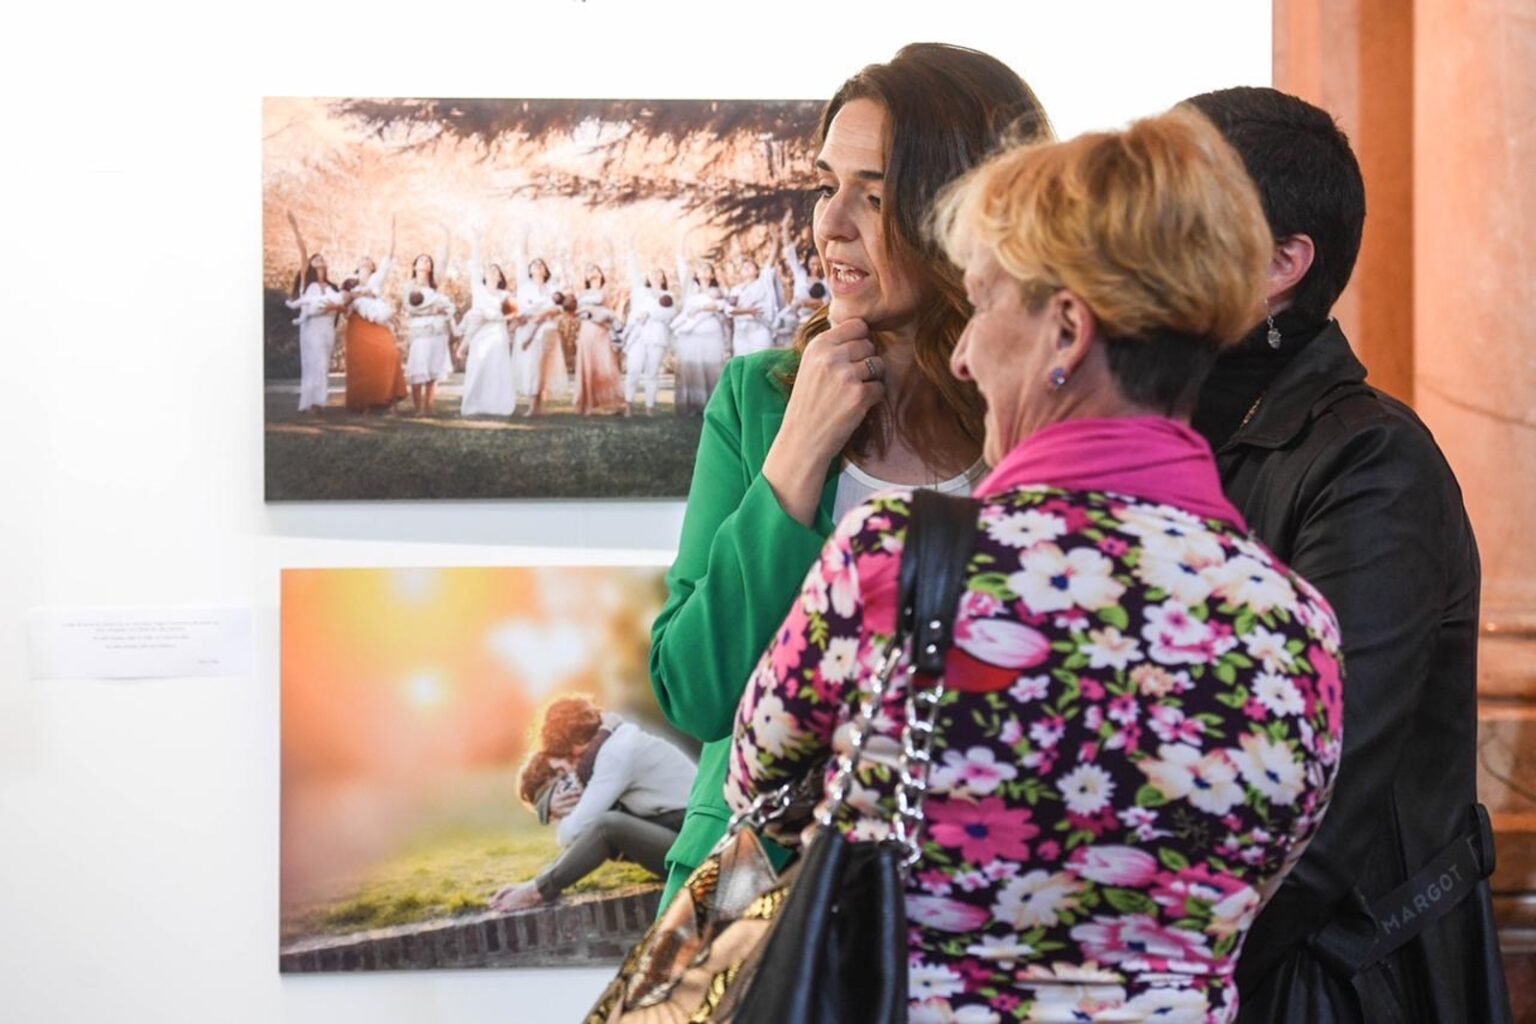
1157, 228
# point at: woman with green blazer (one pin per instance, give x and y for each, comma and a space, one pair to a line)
864, 401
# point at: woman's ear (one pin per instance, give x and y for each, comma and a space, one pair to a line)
1077, 329
1292, 258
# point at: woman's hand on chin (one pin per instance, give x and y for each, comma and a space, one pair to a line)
839, 380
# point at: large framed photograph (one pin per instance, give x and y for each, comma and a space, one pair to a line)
474, 770
519, 298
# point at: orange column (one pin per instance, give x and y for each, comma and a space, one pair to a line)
1354, 58
1475, 359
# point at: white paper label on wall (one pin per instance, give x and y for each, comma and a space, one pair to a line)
139, 643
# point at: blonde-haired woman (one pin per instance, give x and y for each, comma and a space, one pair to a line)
1142, 711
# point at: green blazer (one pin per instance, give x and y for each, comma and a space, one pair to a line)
740, 563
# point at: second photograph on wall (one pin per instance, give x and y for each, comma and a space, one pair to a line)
475, 770
520, 298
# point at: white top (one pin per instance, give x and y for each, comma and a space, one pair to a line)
642, 773
369, 302
854, 486
316, 301
759, 294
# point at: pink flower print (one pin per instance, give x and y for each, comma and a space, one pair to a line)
1093, 717
1127, 739
1172, 726
1087, 751
1075, 515
1030, 688
1006, 1002
1123, 866
1139, 938
1001, 642
1072, 620
1255, 710
971, 881
789, 643
934, 881
1097, 823
945, 915
1114, 547
838, 568
977, 770
1174, 890
1011, 733
1176, 636
1143, 822
1048, 851
1330, 686
976, 605
1001, 869
877, 577
1048, 731
1231, 901
1124, 709
1092, 688
976, 975
982, 831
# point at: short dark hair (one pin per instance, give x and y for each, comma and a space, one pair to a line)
1307, 176
1163, 371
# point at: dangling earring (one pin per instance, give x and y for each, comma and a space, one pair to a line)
1273, 337
1058, 378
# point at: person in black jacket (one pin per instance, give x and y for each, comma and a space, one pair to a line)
1347, 486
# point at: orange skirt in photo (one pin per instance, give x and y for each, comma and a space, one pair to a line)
599, 384
375, 374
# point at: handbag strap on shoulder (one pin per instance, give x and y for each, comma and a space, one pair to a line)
941, 534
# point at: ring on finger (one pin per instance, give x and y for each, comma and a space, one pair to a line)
873, 367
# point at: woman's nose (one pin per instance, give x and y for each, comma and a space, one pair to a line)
957, 357
832, 220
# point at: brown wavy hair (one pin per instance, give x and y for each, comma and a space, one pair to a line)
946, 108
536, 773
569, 722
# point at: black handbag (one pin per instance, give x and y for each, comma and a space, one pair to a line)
826, 942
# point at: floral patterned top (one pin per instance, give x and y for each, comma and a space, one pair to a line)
1139, 734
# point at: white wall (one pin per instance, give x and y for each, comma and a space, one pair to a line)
138, 822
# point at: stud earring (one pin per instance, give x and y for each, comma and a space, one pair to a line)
1273, 337
1058, 378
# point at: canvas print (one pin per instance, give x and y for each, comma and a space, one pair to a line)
474, 770
520, 298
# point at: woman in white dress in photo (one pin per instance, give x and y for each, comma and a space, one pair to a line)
490, 388
316, 301
699, 336
754, 307
808, 294
536, 289
429, 326
647, 335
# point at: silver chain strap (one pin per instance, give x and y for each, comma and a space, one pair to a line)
916, 750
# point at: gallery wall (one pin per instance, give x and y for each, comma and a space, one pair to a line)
138, 821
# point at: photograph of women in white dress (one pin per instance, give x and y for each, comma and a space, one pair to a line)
317, 302
490, 387
457, 373
429, 318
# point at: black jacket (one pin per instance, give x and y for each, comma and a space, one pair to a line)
1348, 488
